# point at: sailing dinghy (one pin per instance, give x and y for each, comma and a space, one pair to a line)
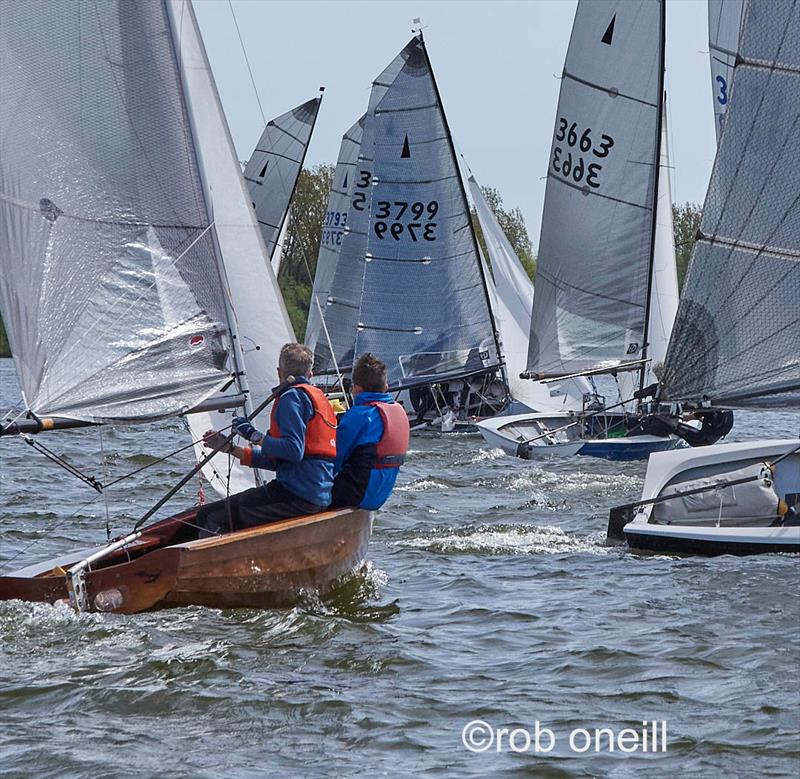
408, 283
736, 336
135, 286
606, 284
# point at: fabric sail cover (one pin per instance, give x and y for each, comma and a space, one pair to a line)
595, 247
261, 322
409, 283
512, 302
333, 233
724, 21
109, 284
274, 166
735, 340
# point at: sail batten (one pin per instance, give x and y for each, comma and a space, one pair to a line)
738, 325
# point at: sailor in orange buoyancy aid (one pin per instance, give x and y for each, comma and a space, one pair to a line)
372, 440
300, 448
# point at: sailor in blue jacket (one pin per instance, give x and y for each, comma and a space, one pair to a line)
300, 447
371, 442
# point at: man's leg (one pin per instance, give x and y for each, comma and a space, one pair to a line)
270, 504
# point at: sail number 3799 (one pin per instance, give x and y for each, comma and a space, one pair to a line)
568, 159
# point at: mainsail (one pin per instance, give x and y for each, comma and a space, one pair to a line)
737, 331
110, 288
409, 285
261, 322
333, 233
724, 22
512, 303
274, 168
594, 266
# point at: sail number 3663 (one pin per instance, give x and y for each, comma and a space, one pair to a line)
568, 159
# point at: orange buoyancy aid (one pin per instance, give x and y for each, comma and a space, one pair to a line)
321, 428
391, 449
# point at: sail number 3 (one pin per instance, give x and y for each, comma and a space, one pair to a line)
577, 169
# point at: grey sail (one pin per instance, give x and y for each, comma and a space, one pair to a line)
333, 232
421, 296
274, 167
109, 280
724, 22
595, 252
737, 331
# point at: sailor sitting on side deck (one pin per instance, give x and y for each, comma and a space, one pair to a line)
300, 447
372, 440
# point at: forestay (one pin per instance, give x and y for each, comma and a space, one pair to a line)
724, 22
512, 302
261, 322
596, 246
421, 303
737, 331
333, 232
109, 286
274, 167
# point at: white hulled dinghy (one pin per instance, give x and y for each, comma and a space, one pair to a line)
736, 336
606, 284
135, 287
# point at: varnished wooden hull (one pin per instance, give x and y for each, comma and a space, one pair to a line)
262, 567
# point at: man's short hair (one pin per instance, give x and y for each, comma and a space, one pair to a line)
370, 373
296, 360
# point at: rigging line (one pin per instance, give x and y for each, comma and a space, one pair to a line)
247, 61
50, 529
61, 462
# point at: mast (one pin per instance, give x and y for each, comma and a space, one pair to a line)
240, 375
495, 332
657, 162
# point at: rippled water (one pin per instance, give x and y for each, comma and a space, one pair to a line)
489, 594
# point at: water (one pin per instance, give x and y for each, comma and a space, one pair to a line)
489, 594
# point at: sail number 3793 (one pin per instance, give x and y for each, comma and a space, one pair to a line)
568, 160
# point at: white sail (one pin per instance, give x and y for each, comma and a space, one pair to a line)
103, 227
262, 321
274, 168
511, 295
724, 23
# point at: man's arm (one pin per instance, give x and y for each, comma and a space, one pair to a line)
294, 411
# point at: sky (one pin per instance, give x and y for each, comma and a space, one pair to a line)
496, 64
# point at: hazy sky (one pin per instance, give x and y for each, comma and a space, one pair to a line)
495, 62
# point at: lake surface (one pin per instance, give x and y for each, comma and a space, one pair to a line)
489, 594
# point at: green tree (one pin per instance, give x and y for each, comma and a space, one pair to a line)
685, 224
301, 247
513, 225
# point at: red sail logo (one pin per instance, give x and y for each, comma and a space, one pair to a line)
197, 340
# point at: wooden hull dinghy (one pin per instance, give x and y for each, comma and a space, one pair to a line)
165, 565
740, 499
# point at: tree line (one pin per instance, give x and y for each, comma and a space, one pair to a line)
304, 233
